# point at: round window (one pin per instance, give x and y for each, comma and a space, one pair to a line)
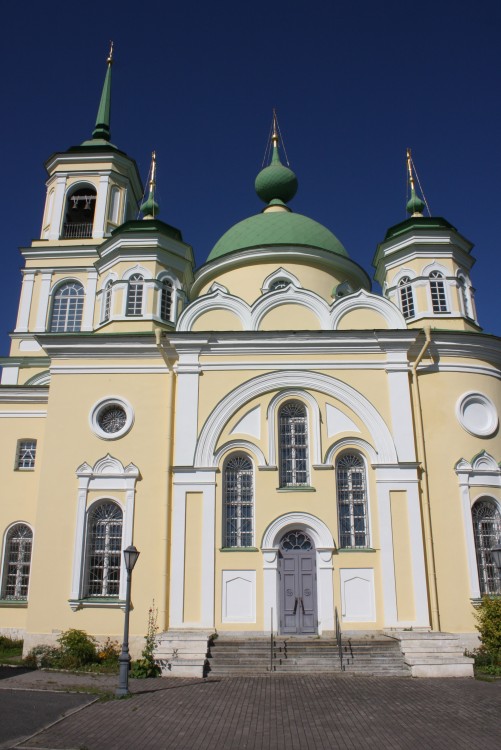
111, 418
477, 414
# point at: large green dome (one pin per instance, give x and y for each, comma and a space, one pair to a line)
276, 228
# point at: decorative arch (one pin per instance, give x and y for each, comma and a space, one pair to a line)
145, 273
401, 274
280, 273
215, 300
365, 300
43, 378
316, 528
239, 445
243, 394
354, 443
291, 295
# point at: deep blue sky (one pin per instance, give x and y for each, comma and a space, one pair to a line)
354, 84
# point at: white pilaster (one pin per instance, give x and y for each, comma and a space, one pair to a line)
469, 535
188, 373
43, 303
23, 316
387, 559
324, 590
270, 583
208, 553
400, 405
57, 217
78, 547
101, 202
417, 555
90, 301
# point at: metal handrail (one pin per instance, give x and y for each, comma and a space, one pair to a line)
77, 231
339, 638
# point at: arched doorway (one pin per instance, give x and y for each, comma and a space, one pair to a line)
298, 584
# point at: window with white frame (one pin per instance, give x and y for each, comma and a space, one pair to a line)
135, 295
166, 299
293, 444
17, 563
26, 453
406, 297
352, 501
107, 302
67, 308
104, 550
238, 500
486, 520
437, 290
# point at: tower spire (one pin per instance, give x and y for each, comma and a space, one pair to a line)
102, 128
415, 205
150, 207
276, 184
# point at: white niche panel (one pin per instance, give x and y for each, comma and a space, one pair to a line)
357, 595
239, 596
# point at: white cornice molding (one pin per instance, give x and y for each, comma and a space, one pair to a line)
20, 395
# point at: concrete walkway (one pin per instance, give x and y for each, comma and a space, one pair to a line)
283, 712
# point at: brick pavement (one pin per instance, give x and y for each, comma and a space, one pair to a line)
310, 712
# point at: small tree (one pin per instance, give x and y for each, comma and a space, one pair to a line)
146, 666
488, 625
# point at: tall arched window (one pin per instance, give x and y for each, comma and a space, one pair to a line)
79, 214
406, 297
166, 299
67, 308
437, 289
238, 499
293, 441
104, 550
106, 308
135, 295
487, 531
352, 501
16, 574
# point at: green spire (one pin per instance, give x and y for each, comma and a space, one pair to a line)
150, 207
415, 206
276, 182
102, 128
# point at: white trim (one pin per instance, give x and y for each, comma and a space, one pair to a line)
98, 228
363, 300
313, 413
43, 301
21, 414
292, 295
347, 574
324, 547
489, 410
279, 274
103, 404
387, 559
249, 576
89, 302
10, 375
246, 392
353, 443
186, 413
23, 317
398, 389
239, 445
4, 544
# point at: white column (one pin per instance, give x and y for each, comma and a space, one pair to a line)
78, 547
387, 559
186, 428
417, 555
469, 535
400, 405
325, 590
270, 583
101, 202
128, 527
208, 553
178, 536
23, 316
57, 208
43, 302
90, 301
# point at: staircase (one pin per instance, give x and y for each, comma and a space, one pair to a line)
235, 656
433, 654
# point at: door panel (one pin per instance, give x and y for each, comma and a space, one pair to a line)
298, 599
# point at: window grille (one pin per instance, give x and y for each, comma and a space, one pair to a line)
17, 563
296, 539
107, 302
67, 308
26, 452
104, 550
279, 284
293, 432
487, 531
238, 502
166, 300
135, 295
406, 297
437, 289
352, 501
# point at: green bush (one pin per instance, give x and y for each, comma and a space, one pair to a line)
146, 666
77, 649
488, 618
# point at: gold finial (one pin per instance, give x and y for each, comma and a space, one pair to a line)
153, 169
274, 134
409, 169
109, 59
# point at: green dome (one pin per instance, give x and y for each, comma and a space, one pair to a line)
415, 205
276, 181
276, 228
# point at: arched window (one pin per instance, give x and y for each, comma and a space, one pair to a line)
135, 295
487, 531
166, 299
238, 499
107, 302
293, 441
437, 289
17, 563
406, 297
352, 501
279, 284
79, 214
67, 308
104, 550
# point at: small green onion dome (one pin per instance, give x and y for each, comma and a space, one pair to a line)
415, 205
276, 181
150, 207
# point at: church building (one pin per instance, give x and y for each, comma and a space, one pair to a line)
286, 448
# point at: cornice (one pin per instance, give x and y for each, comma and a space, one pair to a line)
15, 394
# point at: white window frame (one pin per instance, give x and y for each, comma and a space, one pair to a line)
407, 305
482, 564
86, 594
135, 296
283, 471
5, 562
53, 296
437, 277
238, 504
19, 459
97, 410
354, 452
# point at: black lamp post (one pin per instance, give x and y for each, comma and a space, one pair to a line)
130, 555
